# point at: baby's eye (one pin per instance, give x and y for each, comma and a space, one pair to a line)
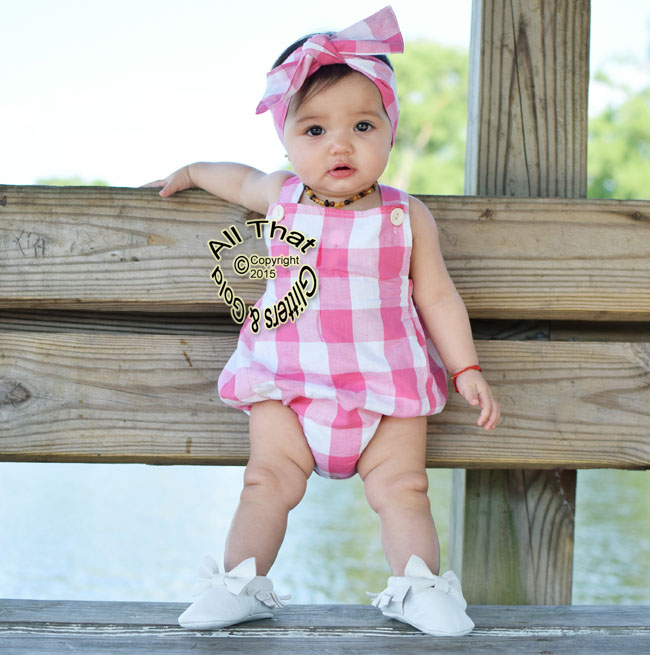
315, 130
363, 126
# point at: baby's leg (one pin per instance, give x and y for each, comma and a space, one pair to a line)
395, 481
274, 483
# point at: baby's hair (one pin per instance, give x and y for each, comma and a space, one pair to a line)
324, 77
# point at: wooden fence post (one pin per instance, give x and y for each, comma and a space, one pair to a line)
512, 530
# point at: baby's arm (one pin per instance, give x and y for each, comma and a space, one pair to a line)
236, 183
444, 314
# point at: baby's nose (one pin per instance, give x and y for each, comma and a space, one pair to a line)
340, 144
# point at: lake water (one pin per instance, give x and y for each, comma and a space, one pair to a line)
135, 532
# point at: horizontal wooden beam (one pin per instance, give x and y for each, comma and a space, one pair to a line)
51, 626
498, 620
153, 398
353, 621
127, 249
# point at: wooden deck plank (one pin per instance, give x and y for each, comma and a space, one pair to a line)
111, 248
28, 626
152, 644
497, 617
153, 398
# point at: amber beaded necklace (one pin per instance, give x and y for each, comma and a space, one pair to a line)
339, 203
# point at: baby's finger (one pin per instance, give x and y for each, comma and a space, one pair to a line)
495, 415
487, 406
471, 395
485, 413
154, 185
167, 190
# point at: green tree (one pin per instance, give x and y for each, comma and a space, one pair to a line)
429, 153
75, 180
619, 147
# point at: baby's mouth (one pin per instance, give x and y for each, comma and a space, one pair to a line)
341, 170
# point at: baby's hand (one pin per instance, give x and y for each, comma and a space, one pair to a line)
178, 181
473, 387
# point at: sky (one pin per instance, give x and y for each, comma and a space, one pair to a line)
129, 90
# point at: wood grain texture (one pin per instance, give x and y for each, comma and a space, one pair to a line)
527, 137
36, 627
120, 641
575, 618
544, 502
153, 398
128, 249
528, 99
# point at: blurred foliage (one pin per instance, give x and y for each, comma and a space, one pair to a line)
618, 164
429, 153
75, 180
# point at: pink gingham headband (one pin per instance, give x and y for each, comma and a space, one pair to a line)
356, 46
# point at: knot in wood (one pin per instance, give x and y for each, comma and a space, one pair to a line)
13, 393
487, 214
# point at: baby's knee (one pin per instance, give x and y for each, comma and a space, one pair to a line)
283, 485
396, 488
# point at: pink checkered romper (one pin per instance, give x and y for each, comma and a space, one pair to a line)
358, 351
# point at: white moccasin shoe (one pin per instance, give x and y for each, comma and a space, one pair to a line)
431, 603
229, 598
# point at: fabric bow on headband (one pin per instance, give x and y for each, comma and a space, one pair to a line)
356, 46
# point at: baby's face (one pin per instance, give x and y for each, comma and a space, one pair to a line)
339, 140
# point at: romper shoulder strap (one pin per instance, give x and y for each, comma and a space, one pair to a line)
392, 196
291, 190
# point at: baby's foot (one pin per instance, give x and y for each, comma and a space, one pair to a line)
229, 598
431, 603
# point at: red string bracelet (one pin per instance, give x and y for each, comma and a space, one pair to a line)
476, 367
